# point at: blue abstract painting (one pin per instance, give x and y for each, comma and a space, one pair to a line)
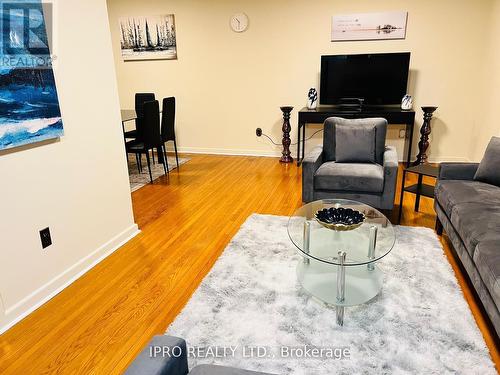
29, 105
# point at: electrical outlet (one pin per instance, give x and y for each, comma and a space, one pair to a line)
402, 133
45, 238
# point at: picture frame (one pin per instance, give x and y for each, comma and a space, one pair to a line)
148, 38
369, 26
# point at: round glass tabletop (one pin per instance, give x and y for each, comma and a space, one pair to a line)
366, 244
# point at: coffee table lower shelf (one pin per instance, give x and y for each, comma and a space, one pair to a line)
321, 280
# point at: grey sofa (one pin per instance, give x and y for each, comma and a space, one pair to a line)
371, 183
167, 355
469, 211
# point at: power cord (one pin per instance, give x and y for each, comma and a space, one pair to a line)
259, 133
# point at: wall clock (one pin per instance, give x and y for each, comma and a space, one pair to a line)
239, 22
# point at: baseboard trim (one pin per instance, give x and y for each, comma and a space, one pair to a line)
452, 159
228, 152
274, 154
46, 292
443, 160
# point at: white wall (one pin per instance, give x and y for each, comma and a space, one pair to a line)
227, 84
488, 109
77, 186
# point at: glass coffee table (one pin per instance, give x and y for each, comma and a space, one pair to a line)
339, 267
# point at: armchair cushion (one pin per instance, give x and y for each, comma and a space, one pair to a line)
489, 168
329, 143
355, 144
352, 177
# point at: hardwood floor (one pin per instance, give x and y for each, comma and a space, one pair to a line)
99, 323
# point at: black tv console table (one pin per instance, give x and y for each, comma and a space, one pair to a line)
394, 115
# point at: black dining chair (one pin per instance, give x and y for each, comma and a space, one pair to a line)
150, 135
168, 125
140, 99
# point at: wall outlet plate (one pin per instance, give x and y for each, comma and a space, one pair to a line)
45, 238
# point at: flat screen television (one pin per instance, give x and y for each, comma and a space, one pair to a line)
378, 78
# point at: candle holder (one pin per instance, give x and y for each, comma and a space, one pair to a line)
286, 158
425, 131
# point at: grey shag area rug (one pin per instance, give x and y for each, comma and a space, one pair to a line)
419, 324
138, 179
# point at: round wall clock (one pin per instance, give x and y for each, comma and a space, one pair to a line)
239, 22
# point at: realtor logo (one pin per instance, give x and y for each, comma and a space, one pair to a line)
27, 30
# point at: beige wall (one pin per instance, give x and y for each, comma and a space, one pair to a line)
227, 84
488, 109
77, 186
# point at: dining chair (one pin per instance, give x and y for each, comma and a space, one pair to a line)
150, 135
140, 99
168, 125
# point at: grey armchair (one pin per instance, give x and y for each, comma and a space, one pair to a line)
370, 183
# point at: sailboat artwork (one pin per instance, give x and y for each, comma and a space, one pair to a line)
29, 105
369, 26
148, 38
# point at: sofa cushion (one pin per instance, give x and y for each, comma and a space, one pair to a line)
355, 143
487, 260
489, 168
476, 222
451, 192
220, 370
354, 177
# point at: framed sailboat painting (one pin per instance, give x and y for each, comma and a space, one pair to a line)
148, 38
369, 26
29, 105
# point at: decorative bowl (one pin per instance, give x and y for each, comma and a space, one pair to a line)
339, 218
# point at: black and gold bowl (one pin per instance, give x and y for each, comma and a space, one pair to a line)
340, 219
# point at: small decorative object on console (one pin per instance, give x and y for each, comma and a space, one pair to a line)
312, 98
407, 103
340, 219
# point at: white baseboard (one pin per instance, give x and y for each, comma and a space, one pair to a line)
438, 160
33, 301
229, 152
454, 159
270, 153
